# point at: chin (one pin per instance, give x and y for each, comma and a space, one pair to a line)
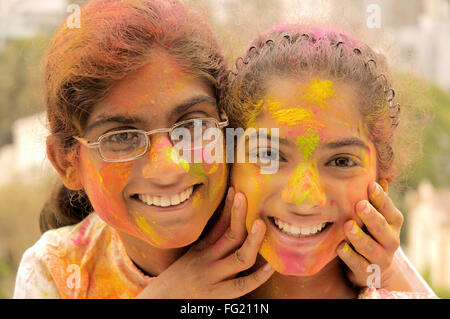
178, 241
299, 265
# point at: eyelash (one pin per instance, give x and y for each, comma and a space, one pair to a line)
280, 155
339, 158
120, 128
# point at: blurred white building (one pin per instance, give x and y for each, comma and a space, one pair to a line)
26, 157
428, 233
25, 18
424, 47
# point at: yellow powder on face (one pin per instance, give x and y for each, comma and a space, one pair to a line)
304, 186
176, 158
254, 114
142, 223
306, 144
213, 169
317, 92
291, 117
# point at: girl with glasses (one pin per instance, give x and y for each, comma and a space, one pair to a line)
135, 218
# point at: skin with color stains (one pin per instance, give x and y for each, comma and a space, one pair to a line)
151, 96
320, 178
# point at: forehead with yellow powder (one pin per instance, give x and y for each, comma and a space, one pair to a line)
302, 108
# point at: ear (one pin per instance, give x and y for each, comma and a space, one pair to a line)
65, 162
384, 184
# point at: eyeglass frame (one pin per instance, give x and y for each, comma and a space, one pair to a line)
93, 145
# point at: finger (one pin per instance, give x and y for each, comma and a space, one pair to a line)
366, 246
384, 184
244, 257
222, 224
378, 226
240, 286
236, 232
356, 264
383, 203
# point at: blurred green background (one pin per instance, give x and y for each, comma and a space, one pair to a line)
236, 22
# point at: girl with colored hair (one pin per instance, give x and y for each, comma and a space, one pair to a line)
322, 104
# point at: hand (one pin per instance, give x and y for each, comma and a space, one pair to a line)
209, 268
383, 222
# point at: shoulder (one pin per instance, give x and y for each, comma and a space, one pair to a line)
46, 266
373, 293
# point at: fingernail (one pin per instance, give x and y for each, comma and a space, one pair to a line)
364, 207
255, 228
342, 247
375, 189
237, 202
267, 267
230, 190
354, 229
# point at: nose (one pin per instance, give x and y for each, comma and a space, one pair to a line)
163, 164
304, 187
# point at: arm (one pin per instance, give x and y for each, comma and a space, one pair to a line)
407, 278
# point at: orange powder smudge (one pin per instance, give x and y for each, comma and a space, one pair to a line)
104, 188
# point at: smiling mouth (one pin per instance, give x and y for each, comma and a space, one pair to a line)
167, 200
298, 231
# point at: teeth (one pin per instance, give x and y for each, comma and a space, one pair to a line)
298, 231
174, 199
165, 201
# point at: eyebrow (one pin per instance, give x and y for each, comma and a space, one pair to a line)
120, 119
123, 119
352, 141
180, 108
282, 141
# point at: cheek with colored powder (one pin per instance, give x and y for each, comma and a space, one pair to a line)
104, 187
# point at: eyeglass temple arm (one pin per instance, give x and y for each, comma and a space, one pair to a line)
86, 143
225, 122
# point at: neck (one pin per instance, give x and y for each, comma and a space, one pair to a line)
149, 259
328, 283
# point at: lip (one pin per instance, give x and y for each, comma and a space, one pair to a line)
171, 207
291, 241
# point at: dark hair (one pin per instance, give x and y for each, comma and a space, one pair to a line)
115, 39
292, 50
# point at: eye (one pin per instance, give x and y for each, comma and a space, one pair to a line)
121, 141
269, 154
343, 161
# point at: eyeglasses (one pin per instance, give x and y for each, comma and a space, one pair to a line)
127, 145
